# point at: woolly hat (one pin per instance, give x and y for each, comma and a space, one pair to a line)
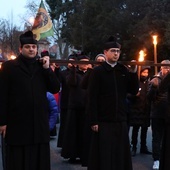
111, 43
100, 55
165, 62
27, 38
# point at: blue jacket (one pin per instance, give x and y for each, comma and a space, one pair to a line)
53, 110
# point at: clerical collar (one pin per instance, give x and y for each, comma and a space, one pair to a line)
112, 65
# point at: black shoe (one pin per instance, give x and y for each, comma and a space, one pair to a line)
145, 151
133, 152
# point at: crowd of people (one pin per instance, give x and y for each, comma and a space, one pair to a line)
97, 106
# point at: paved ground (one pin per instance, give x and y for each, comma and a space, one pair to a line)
140, 161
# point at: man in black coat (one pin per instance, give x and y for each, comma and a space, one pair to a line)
73, 134
64, 96
108, 87
24, 107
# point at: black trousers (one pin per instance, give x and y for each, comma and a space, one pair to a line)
143, 136
158, 127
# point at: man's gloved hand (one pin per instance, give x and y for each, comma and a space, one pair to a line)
46, 62
154, 82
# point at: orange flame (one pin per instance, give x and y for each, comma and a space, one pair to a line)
141, 56
12, 57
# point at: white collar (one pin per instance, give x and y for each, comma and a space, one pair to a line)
112, 65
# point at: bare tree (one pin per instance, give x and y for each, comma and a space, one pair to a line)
9, 42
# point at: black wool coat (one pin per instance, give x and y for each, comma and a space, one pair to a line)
108, 88
73, 132
107, 108
23, 101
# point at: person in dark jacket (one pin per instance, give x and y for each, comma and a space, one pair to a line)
158, 112
108, 87
139, 113
24, 117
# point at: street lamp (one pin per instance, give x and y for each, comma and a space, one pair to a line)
155, 52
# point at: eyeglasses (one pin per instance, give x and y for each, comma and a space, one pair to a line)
114, 51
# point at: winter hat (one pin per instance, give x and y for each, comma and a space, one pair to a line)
165, 62
100, 55
27, 38
111, 43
